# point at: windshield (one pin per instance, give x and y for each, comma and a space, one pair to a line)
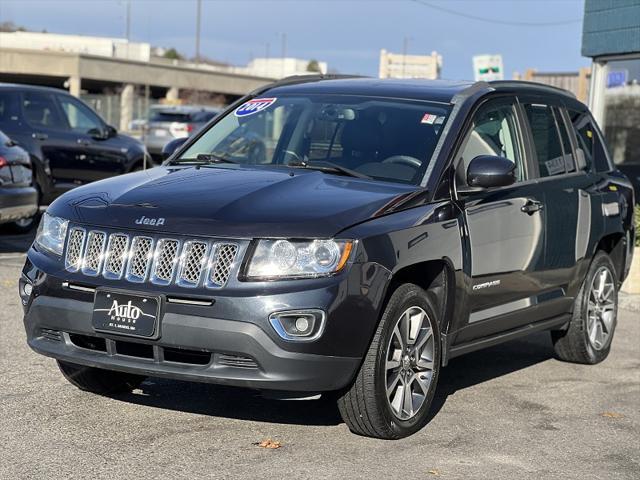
384, 139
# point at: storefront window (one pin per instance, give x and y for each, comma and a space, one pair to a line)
622, 110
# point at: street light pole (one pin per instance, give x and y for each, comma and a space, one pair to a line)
128, 22
284, 51
198, 14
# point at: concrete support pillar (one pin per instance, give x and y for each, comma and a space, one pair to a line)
599, 72
75, 85
126, 106
173, 94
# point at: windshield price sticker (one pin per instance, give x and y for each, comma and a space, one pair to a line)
254, 106
430, 119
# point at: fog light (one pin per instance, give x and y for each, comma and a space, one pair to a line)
27, 289
298, 325
302, 324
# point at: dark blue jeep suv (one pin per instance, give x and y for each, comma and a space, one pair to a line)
340, 235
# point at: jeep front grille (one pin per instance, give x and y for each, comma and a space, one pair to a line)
116, 256
192, 263
94, 253
224, 258
165, 261
75, 247
140, 258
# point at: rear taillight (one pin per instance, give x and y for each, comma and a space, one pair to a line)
3, 162
180, 130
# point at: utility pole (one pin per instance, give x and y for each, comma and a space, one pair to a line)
267, 52
284, 50
198, 14
128, 22
405, 47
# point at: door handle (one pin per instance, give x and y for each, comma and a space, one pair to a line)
82, 141
531, 207
40, 136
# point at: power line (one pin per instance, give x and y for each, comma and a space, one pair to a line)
497, 21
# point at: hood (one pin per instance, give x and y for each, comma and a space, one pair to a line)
234, 201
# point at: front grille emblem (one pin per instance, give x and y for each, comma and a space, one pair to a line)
154, 222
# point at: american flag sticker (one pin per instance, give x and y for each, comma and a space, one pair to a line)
429, 118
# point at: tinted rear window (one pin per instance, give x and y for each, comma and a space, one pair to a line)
169, 117
547, 144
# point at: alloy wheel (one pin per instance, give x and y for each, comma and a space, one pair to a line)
409, 363
601, 308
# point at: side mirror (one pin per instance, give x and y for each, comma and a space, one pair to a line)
172, 146
487, 171
111, 131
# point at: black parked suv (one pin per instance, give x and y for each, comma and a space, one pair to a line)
68, 142
18, 197
383, 228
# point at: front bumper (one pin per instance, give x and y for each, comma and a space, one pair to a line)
230, 342
240, 353
17, 203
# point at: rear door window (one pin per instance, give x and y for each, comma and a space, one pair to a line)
583, 131
549, 152
589, 141
569, 161
40, 110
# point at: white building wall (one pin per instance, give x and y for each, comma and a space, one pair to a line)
398, 65
99, 46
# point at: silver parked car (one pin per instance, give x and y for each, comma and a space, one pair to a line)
167, 123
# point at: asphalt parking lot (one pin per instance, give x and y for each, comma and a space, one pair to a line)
509, 412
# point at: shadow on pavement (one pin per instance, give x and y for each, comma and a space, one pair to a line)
484, 365
244, 404
10, 242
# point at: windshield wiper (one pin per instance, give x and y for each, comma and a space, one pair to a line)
325, 166
202, 159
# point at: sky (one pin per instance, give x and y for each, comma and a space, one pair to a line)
348, 34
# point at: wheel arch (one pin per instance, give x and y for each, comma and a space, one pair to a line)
614, 245
435, 276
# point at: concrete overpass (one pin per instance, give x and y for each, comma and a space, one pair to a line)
77, 72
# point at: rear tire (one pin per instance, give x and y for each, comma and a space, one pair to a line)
392, 393
590, 333
97, 380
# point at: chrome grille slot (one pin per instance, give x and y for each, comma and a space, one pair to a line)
222, 262
119, 255
116, 256
139, 259
75, 244
192, 263
94, 253
166, 259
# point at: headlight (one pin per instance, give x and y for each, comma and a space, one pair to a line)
51, 233
277, 259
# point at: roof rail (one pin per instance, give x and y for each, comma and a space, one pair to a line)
296, 79
524, 84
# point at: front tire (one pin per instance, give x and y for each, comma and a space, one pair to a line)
24, 225
97, 380
392, 393
590, 333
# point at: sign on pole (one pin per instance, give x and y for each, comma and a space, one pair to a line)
487, 68
617, 78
